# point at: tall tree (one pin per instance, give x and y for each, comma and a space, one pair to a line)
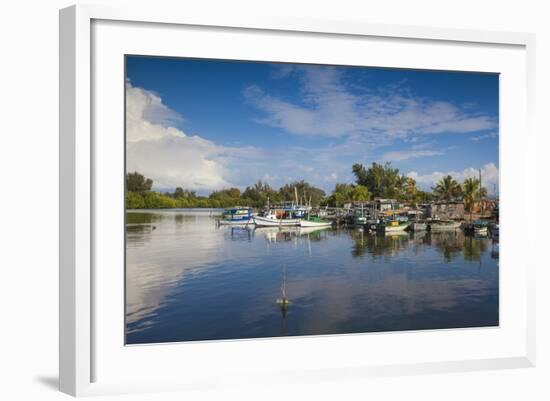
259, 192
361, 174
360, 193
231, 193
136, 182
472, 192
181, 193
409, 188
447, 188
342, 193
423, 196
303, 189
381, 180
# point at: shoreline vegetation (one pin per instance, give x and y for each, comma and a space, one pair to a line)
376, 181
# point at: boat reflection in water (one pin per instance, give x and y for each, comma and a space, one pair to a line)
189, 279
275, 234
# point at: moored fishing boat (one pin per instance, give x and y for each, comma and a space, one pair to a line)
478, 227
443, 225
237, 216
418, 226
315, 221
272, 220
478, 230
392, 226
295, 210
359, 216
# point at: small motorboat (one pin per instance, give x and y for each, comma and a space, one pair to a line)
477, 228
392, 226
444, 225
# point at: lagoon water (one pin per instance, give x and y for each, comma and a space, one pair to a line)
189, 279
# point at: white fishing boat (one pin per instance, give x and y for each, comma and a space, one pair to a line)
395, 226
418, 226
314, 221
271, 220
443, 225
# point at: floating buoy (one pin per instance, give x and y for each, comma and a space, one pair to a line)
283, 302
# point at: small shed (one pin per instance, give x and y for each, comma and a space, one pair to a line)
485, 205
384, 205
451, 210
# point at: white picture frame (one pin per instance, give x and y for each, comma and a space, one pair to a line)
81, 211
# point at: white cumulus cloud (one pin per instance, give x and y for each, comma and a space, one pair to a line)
158, 150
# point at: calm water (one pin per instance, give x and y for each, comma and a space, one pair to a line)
188, 279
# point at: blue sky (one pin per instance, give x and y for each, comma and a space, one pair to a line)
207, 124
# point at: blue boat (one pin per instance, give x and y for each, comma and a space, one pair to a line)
237, 215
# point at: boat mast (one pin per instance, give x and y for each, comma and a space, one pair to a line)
480, 198
283, 301
283, 287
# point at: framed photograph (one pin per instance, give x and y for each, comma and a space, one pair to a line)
263, 200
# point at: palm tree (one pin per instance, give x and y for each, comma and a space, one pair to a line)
472, 192
483, 192
360, 193
447, 188
410, 188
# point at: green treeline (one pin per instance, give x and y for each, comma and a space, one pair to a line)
139, 195
378, 180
